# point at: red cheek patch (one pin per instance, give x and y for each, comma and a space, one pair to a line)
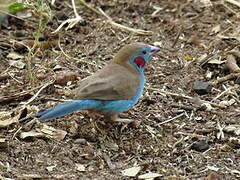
140, 61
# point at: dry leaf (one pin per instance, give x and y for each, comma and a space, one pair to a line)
234, 140
51, 132
216, 29
131, 172
30, 176
24, 135
18, 64
14, 55
213, 168
8, 119
2, 166
227, 103
187, 58
206, 3
233, 128
50, 168
215, 61
149, 175
80, 167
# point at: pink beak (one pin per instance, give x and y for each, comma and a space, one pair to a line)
154, 49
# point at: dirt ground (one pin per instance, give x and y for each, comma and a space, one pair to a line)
181, 135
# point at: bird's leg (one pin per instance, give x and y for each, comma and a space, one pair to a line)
115, 118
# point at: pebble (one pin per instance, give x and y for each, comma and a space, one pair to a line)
201, 87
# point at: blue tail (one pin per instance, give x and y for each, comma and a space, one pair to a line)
67, 108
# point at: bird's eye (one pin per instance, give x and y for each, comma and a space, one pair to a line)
144, 52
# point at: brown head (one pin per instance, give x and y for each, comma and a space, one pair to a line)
135, 54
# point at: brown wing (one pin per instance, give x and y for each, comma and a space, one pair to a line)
114, 82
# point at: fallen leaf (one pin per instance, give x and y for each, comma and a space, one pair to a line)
2, 165
30, 176
149, 175
216, 29
234, 140
24, 135
213, 168
131, 172
80, 167
14, 55
51, 132
206, 3
226, 103
50, 168
18, 64
215, 61
233, 128
187, 58
8, 119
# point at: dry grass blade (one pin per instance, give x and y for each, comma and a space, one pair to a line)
183, 96
234, 2
225, 78
110, 21
169, 120
71, 22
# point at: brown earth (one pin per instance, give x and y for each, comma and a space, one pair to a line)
195, 144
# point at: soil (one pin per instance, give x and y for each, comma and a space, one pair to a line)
181, 134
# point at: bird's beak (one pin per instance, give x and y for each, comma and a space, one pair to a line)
154, 49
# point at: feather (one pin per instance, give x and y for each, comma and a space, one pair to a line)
114, 82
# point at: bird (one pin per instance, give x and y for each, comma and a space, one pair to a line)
111, 90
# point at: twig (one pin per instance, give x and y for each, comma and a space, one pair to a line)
164, 122
237, 3
110, 21
207, 58
89, 7
71, 22
36, 95
177, 37
69, 57
183, 96
20, 82
14, 135
108, 161
170, 93
224, 92
225, 78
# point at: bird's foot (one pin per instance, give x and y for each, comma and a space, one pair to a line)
123, 120
114, 118
130, 122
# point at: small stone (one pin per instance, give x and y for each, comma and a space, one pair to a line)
80, 141
200, 146
201, 87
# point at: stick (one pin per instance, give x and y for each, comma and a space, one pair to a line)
36, 95
110, 21
183, 96
164, 122
225, 78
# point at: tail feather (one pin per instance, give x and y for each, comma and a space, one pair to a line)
66, 108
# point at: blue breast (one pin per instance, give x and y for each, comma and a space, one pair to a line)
118, 106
